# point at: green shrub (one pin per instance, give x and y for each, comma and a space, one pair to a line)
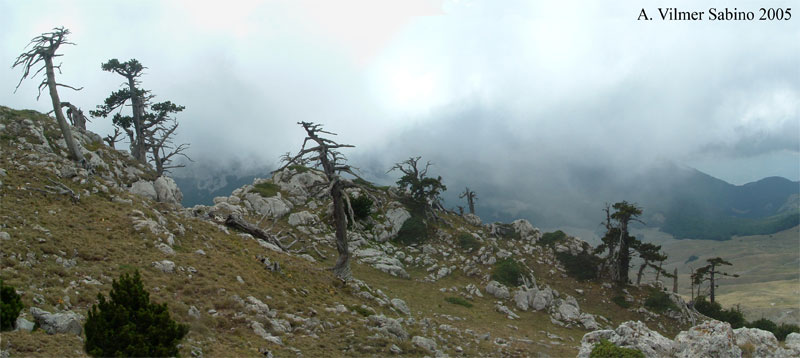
468, 242
715, 311
360, 310
458, 301
764, 324
299, 168
620, 301
413, 231
551, 238
606, 349
129, 325
508, 272
659, 301
582, 266
10, 305
506, 231
362, 206
784, 330
267, 189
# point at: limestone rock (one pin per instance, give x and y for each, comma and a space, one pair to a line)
473, 219
792, 341
52, 323
629, 334
526, 231
388, 326
167, 190
542, 299
498, 290
144, 188
522, 299
708, 339
164, 266
764, 342
401, 306
272, 206
424, 343
23, 325
303, 218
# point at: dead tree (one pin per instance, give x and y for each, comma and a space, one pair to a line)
159, 129
324, 153
43, 50
471, 197
75, 116
112, 139
131, 70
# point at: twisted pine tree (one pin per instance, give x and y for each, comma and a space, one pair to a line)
129, 325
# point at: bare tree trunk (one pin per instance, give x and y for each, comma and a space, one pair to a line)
641, 271
342, 267
74, 153
712, 284
675, 281
138, 149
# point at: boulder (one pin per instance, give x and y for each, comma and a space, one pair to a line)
167, 190
498, 290
401, 306
629, 334
424, 343
708, 339
542, 299
388, 326
144, 188
273, 206
522, 299
526, 231
473, 219
23, 325
302, 218
763, 342
52, 323
792, 341
165, 266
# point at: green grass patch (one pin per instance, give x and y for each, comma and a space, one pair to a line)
267, 189
458, 301
658, 301
508, 272
620, 301
468, 242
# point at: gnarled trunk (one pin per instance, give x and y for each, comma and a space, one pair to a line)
74, 153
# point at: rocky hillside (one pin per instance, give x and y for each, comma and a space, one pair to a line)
67, 232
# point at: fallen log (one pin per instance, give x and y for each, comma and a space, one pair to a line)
237, 222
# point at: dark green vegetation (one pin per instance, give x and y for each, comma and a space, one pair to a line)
10, 305
468, 242
360, 310
267, 189
736, 319
715, 311
606, 349
551, 238
458, 301
658, 301
362, 207
620, 301
508, 272
413, 231
582, 266
129, 325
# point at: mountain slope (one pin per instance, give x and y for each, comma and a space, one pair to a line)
243, 296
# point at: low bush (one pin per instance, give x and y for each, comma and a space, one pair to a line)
764, 324
658, 301
606, 349
582, 266
267, 189
458, 301
10, 306
362, 207
620, 301
508, 272
360, 310
468, 242
413, 231
551, 238
129, 325
715, 311
784, 330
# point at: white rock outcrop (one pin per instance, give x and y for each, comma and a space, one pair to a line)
63, 322
498, 290
631, 334
708, 339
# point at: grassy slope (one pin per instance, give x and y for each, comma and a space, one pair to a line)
98, 233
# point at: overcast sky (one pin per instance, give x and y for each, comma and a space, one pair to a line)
483, 88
